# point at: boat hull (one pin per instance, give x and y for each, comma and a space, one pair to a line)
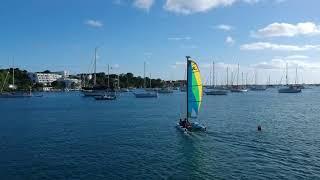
146, 95
101, 98
239, 90
195, 126
14, 95
217, 93
289, 90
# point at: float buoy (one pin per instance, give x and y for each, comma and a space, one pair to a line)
259, 128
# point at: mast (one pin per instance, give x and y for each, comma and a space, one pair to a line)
127, 81
241, 78
144, 74
246, 79
150, 81
213, 75
238, 75
210, 79
188, 57
227, 76
118, 81
296, 80
256, 77
95, 67
287, 82
232, 78
5, 80
13, 73
108, 76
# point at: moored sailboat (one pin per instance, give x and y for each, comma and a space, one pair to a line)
238, 88
194, 99
214, 91
289, 88
144, 93
13, 93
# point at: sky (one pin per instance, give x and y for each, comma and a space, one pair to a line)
262, 36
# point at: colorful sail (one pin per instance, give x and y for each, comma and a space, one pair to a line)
194, 88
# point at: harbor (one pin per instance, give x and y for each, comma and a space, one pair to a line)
80, 135
160, 89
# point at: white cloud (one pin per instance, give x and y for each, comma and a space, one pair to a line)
219, 65
195, 6
251, 1
297, 57
288, 30
191, 46
179, 38
224, 27
94, 23
230, 40
143, 4
280, 63
278, 47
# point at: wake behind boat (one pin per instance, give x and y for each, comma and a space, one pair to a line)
194, 99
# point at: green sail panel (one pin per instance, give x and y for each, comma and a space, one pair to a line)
194, 89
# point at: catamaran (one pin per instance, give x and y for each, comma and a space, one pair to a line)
194, 99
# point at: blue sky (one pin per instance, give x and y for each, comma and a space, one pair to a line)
258, 34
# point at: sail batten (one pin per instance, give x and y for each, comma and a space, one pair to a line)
194, 89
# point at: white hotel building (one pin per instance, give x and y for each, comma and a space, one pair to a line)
47, 78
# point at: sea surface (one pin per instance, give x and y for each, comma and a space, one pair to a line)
67, 136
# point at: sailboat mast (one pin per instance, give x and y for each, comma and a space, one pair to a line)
287, 74
118, 82
108, 76
150, 81
227, 76
238, 75
144, 74
210, 78
95, 67
246, 79
213, 74
241, 78
188, 57
13, 72
256, 77
296, 80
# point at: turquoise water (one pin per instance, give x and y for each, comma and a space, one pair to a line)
66, 136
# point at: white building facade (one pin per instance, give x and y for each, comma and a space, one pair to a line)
46, 78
